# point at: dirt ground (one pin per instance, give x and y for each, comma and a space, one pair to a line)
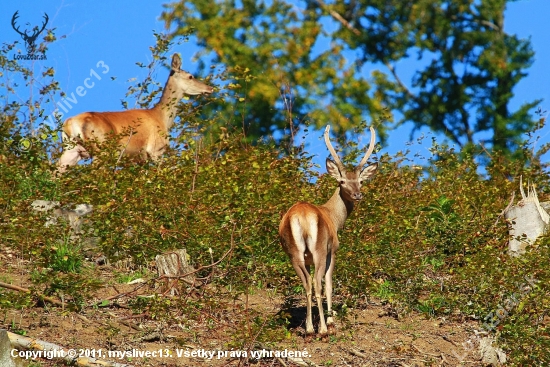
369, 337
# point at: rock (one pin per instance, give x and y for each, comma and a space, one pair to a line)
5, 350
489, 354
75, 217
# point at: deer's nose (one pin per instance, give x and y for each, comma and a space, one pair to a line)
357, 196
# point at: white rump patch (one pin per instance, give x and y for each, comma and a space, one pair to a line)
298, 234
312, 230
304, 231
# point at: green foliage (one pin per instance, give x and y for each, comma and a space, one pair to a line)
65, 257
73, 288
278, 45
384, 291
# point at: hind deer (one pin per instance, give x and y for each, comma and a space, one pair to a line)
148, 128
309, 233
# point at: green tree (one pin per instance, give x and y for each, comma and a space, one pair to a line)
293, 79
314, 56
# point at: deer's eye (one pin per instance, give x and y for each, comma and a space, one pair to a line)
190, 76
342, 182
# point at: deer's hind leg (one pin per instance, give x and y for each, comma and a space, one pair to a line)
303, 272
320, 268
331, 259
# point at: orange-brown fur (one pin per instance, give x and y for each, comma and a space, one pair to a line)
134, 124
326, 231
143, 132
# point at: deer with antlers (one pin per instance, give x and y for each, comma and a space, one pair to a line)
147, 128
309, 233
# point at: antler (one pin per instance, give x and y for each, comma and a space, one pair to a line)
332, 151
369, 152
13, 19
337, 159
43, 26
25, 35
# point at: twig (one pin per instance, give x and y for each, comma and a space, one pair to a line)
123, 294
507, 208
144, 314
443, 359
232, 247
398, 80
339, 18
198, 269
485, 150
357, 353
428, 354
446, 338
196, 171
126, 323
14, 287
83, 318
150, 337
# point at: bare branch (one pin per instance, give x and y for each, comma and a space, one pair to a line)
398, 80
339, 18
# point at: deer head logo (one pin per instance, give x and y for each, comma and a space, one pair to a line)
29, 39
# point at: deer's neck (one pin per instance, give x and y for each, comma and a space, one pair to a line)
167, 106
339, 209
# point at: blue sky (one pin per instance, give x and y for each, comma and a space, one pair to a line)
119, 34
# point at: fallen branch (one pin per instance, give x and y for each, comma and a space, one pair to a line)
25, 343
357, 353
125, 323
150, 337
25, 290
446, 338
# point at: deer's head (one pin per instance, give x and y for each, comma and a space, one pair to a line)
350, 182
185, 81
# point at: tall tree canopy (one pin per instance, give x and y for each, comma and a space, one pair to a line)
343, 62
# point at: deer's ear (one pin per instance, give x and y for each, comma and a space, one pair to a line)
333, 170
176, 62
369, 171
